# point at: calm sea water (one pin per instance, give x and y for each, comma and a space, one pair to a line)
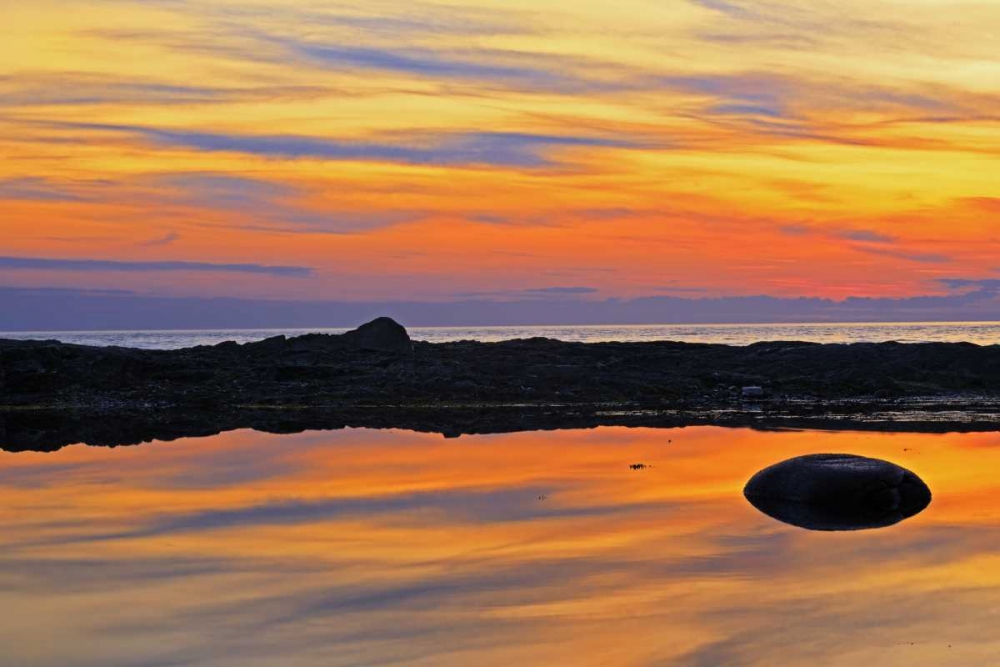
362, 547
982, 333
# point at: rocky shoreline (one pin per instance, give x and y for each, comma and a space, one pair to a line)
376, 376
47, 430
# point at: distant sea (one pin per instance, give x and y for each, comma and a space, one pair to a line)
982, 333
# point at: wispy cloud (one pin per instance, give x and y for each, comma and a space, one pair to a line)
392, 40
78, 89
985, 285
765, 93
33, 188
68, 89
259, 203
869, 242
84, 265
432, 63
219, 190
532, 293
860, 235
267, 205
562, 290
910, 256
865, 235
723, 7
166, 239
498, 149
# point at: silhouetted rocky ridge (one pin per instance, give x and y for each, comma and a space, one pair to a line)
377, 376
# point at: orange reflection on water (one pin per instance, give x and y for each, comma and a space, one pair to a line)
366, 547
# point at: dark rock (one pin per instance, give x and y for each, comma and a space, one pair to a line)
382, 335
116, 423
378, 365
837, 492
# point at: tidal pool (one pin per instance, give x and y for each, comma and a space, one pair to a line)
362, 547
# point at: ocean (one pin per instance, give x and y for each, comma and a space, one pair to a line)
981, 333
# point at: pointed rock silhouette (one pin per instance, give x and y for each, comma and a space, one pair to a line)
383, 334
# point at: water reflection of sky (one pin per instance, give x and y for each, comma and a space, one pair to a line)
367, 547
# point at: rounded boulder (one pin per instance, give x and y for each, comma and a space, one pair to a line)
837, 492
383, 335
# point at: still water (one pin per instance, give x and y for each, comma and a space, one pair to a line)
363, 547
981, 333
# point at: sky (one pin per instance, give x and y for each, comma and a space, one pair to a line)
502, 151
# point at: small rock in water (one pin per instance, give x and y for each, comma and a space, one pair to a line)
638, 466
837, 492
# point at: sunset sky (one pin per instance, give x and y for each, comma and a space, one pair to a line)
500, 149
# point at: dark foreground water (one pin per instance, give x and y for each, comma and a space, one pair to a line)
370, 548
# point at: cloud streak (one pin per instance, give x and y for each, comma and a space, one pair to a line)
166, 239
33, 188
910, 256
495, 149
533, 293
95, 265
432, 63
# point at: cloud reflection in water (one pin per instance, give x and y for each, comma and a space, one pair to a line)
365, 547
